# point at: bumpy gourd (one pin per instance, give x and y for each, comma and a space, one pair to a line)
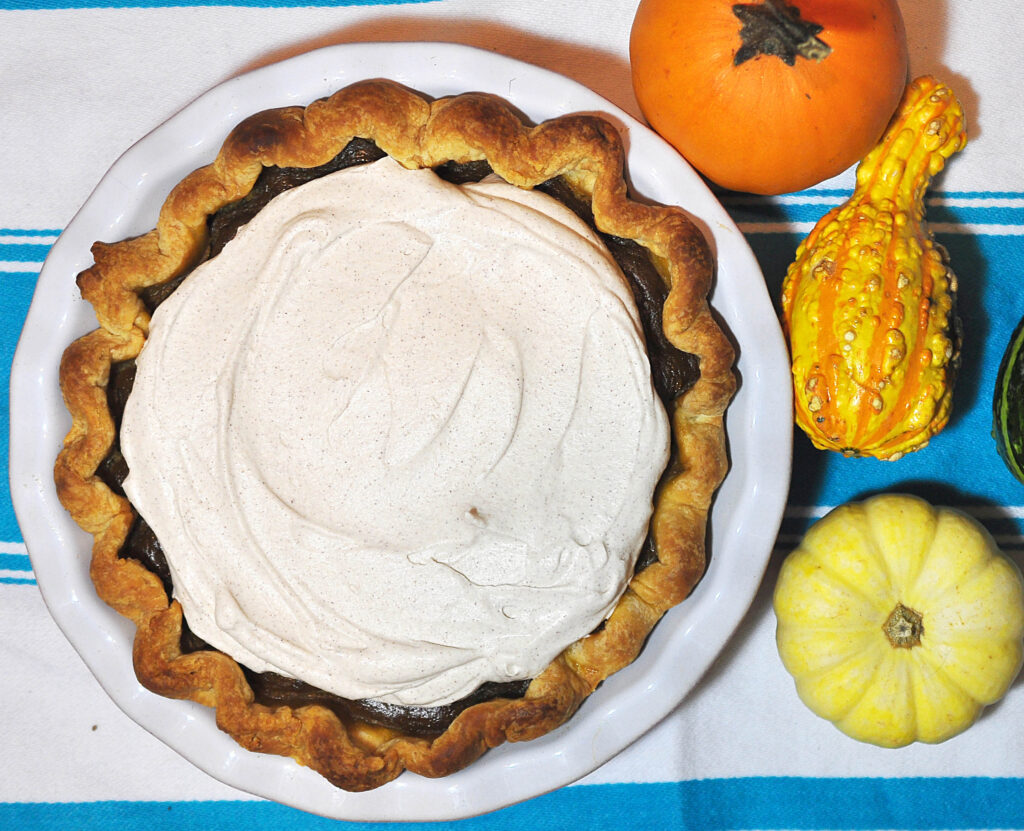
869, 302
899, 621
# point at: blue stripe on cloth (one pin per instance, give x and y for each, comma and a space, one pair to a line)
18, 581
37, 5
979, 194
23, 252
28, 232
750, 213
15, 562
16, 289
843, 193
711, 804
960, 466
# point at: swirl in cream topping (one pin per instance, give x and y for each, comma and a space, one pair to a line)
399, 437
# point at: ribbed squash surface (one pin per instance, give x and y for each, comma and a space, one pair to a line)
869, 302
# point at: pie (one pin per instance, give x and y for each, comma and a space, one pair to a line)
283, 367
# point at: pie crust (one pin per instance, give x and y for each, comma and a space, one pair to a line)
587, 153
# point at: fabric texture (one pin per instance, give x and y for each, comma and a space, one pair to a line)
83, 80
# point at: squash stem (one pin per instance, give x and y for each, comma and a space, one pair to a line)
904, 627
774, 27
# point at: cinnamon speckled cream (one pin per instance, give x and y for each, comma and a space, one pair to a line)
399, 437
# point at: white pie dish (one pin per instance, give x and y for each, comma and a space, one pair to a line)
744, 521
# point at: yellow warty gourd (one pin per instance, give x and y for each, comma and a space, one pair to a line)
899, 621
869, 302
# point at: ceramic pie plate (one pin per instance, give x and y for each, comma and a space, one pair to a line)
745, 517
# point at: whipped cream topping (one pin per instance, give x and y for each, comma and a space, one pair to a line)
399, 437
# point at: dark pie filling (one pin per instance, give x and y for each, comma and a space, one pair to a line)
673, 373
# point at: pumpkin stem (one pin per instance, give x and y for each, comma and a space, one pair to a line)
776, 28
904, 627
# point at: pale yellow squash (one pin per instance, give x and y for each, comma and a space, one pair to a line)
899, 621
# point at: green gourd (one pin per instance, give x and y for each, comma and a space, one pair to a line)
1008, 405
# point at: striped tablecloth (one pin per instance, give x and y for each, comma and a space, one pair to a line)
81, 80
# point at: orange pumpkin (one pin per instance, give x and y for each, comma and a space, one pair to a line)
769, 97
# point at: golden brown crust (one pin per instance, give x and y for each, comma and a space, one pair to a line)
587, 153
